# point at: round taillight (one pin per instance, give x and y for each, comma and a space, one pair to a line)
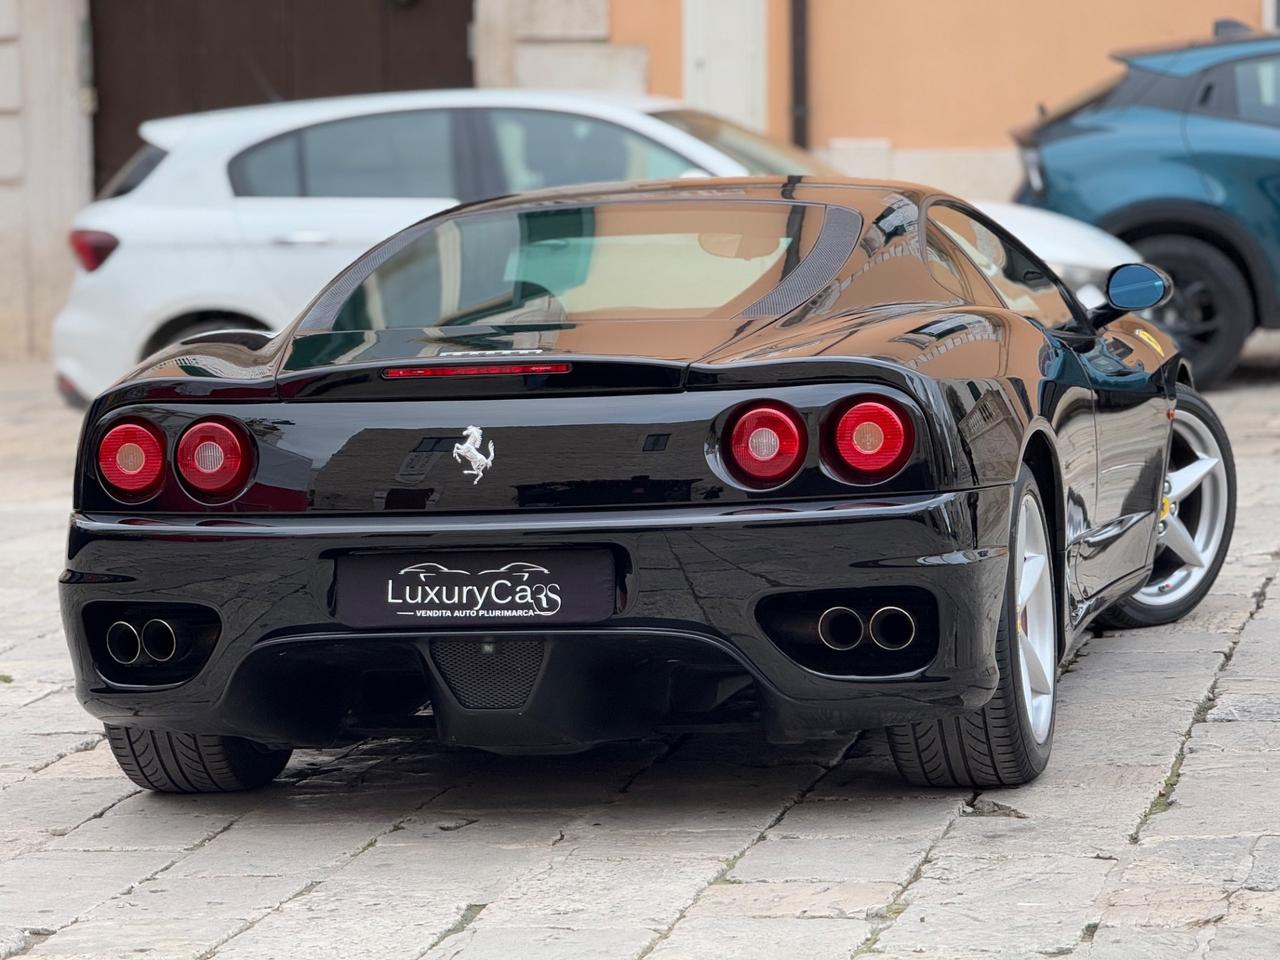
872, 440
766, 445
213, 458
131, 458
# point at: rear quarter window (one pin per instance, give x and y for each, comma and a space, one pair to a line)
136, 169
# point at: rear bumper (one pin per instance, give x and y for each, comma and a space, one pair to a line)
692, 582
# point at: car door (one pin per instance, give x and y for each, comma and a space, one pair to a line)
1121, 367
1111, 422
1233, 133
310, 201
528, 149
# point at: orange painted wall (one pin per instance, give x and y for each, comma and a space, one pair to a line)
960, 73
778, 64
658, 25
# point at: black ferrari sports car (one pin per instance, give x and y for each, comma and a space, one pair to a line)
576, 466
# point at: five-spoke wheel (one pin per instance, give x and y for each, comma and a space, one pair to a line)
1196, 514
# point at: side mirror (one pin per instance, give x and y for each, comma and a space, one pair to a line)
1132, 287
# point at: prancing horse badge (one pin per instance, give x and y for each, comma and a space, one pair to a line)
477, 462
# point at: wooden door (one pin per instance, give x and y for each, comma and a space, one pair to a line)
156, 58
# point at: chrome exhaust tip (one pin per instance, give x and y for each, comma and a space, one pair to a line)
840, 628
123, 645
159, 641
892, 628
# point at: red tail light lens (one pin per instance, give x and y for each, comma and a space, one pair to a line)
767, 445
92, 247
214, 458
872, 440
131, 459
475, 370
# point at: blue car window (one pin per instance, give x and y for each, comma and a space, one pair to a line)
1258, 90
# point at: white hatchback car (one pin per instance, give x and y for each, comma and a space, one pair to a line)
235, 218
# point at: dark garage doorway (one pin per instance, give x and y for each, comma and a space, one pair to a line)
156, 58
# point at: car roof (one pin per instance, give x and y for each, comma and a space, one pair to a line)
250, 124
1185, 59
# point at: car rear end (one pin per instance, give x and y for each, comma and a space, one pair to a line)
525, 534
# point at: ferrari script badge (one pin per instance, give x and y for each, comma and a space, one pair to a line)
477, 462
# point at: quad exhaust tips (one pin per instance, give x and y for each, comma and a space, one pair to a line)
842, 629
123, 643
157, 642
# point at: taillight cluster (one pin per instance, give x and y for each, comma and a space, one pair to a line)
213, 459
92, 247
864, 441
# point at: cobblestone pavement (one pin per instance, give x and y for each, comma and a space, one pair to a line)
1155, 832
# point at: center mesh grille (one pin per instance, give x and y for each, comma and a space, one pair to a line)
489, 674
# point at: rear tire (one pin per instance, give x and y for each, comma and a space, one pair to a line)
1008, 741
1211, 313
170, 762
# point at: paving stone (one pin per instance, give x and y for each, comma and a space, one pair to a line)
577, 892
37, 808
1145, 943
1244, 736
1265, 872
1245, 943
831, 900
1224, 862
480, 941
697, 938
476, 872
858, 859
1237, 705
13, 941
249, 849
27, 753
49, 889
370, 920
1160, 641
142, 823
1023, 907
843, 818
1219, 795
1165, 905
612, 843
177, 918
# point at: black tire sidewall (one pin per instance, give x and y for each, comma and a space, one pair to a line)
1181, 256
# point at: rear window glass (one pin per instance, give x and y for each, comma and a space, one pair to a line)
540, 268
136, 169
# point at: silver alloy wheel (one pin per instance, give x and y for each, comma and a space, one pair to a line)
1193, 513
1035, 619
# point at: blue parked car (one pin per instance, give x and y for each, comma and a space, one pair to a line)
1180, 157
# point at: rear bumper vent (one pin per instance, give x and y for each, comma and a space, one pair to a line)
489, 674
